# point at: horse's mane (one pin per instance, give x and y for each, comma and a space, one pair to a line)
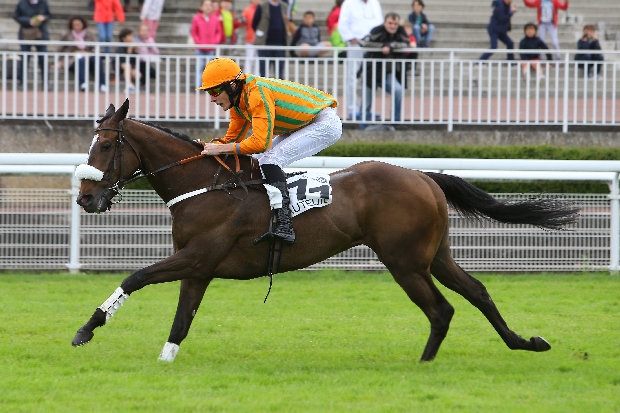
177, 135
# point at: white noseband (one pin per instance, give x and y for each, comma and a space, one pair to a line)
85, 171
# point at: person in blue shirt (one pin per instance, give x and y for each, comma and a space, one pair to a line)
499, 26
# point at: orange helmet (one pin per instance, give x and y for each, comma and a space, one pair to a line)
220, 70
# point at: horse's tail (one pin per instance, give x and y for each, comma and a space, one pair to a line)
472, 202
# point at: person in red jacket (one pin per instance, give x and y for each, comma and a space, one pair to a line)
251, 63
105, 10
548, 19
206, 30
334, 15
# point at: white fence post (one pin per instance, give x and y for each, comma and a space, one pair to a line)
74, 238
451, 94
614, 224
565, 106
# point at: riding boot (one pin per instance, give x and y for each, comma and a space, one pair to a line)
279, 201
283, 228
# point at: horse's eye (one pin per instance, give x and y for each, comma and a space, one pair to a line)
106, 146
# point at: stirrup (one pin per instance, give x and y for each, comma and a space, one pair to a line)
285, 238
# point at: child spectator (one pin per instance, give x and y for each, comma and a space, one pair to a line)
251, 63
206, 30
499, 26
332, 28
548, 19
332, 19
129, 61
128, 5
229, 23
148, 53
78, 32
105, 10
422, 29
589, 41
413, 43
532, 42
151, 14
309, 34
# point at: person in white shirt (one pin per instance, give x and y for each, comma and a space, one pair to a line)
357, 19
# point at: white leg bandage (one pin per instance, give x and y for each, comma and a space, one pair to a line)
169, 352
113, 303
275, 197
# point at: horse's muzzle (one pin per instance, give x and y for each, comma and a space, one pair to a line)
94, 204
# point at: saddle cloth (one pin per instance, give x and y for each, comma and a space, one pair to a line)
308, 190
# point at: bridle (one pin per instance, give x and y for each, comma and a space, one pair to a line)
117, 186
120, 182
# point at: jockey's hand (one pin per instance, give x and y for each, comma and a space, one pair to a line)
213, 149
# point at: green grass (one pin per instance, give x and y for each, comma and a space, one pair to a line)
324, 342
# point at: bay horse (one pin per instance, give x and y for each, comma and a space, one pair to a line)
401, 214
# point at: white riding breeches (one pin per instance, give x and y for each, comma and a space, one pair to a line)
324, 130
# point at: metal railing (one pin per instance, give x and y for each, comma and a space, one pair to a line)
45, 229
442, 86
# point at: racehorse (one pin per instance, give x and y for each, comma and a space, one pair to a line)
401, 214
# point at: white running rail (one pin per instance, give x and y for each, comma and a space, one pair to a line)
137, 232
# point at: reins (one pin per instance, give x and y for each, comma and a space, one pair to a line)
233, 183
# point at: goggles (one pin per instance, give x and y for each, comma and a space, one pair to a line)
217, 90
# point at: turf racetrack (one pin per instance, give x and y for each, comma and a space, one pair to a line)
323, 342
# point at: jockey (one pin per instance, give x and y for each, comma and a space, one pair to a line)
289, 121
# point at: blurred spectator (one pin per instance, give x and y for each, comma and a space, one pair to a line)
148, 53
151, 14
589, 41
77, 31
332, 28
388, 37
251, 64
548, 19
105, 10
357, 19
229, 23
32, 16
422, 29
128, 5
532, 42
499, 26
413, 43
291, 8
129, 62
269, 25
308, 38
206, 30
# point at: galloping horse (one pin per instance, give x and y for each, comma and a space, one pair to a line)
402, 215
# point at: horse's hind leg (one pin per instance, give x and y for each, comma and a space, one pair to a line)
422, 291
447, 272
192, 292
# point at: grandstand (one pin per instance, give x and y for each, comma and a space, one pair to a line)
459, 23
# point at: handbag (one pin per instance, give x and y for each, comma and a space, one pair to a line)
32, 33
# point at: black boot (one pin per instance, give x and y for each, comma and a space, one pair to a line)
283, 227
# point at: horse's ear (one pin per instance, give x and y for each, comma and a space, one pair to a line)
122, 111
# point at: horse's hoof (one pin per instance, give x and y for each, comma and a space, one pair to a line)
541, 344
82, 337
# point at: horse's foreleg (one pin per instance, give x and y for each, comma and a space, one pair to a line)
455, 278
190, 297
181, 265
